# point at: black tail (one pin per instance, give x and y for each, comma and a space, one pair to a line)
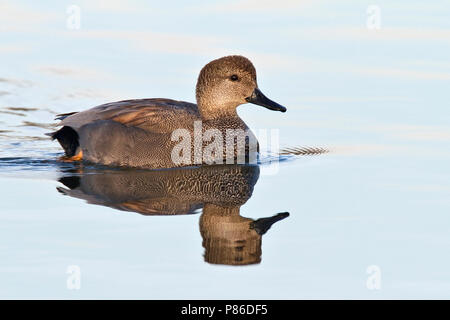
68, 139
62, 116
70, 182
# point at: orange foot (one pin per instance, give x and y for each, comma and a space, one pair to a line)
77, 157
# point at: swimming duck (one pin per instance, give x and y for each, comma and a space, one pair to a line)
157, 133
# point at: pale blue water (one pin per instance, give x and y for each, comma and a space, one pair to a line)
377, 99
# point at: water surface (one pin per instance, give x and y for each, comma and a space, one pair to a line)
377, 101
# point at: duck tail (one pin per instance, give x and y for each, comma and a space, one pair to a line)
68, 139
62, 116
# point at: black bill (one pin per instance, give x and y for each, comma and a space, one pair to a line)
260, 99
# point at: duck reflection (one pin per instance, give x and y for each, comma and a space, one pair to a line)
218, 191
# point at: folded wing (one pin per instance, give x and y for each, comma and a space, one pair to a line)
155, 115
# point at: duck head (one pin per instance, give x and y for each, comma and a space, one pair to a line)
226, 83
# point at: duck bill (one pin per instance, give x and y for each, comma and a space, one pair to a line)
262, 225
260, 99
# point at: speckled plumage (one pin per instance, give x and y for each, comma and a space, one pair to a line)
165, 192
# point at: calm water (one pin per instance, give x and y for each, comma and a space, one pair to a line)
369, 219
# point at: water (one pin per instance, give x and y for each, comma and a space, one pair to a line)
367, 219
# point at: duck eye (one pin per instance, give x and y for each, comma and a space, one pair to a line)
234, 78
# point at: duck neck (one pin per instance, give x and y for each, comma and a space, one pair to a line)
210, 209
216, 110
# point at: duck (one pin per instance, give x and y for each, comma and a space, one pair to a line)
164, 133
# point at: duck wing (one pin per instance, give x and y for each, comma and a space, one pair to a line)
156, 115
